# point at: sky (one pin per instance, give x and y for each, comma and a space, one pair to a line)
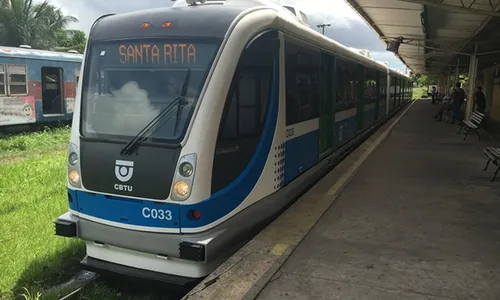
347, 27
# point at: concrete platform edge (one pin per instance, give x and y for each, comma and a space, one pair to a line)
245, 274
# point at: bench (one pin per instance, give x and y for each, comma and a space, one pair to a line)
493, 155
472, 125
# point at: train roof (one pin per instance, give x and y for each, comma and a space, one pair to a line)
211, 19
185, 22
398, 72
16, 52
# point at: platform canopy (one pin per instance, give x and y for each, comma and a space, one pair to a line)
437, 35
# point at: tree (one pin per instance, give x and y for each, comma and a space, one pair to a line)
424, 80
24, 23
70, 40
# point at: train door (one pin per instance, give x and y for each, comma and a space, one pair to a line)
52, 91
327, 108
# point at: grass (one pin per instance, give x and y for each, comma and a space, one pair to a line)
32, 195
31, 145
418, 92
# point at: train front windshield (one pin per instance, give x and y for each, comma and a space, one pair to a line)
127, 84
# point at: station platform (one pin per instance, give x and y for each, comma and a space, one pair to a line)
409, 215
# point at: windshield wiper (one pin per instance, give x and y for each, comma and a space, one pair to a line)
164, 115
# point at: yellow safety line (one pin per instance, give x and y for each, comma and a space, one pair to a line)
279, 249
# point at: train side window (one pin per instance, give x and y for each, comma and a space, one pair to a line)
18, 81
77, 77
229, 130
398, 88
302, 71
291, 9
3, 90
248, 103
370, 85
52, 90
393, 87
347, 83
245, 110
383, 86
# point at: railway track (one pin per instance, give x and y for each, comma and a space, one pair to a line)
126, 288
74, 285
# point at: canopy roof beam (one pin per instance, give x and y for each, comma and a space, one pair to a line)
456, 8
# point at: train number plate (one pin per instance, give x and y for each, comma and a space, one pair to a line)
154, 213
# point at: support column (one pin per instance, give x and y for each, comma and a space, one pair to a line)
472, 85
448, 81
456, 71
442, 83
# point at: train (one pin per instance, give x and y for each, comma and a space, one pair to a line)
37, 87
196, 124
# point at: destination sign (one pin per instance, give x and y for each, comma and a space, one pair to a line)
158, 53
167, 54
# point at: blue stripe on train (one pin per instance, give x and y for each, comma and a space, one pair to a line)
126, 211
35, 65
301, 153
50, 56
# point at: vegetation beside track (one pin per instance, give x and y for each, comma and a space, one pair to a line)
418, 92
32, 195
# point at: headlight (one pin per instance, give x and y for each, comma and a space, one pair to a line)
183, 178
181, 189
74, 177
186, 169
72, 158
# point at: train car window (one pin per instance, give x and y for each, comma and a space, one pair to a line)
398, 88
245, 110
77, 76
290, 9
18, 81
304, 18
52, 90
393, 87
3, 90
403, 83
408, 90
249, 118
383, 86
370, 85
347, 83
303, 72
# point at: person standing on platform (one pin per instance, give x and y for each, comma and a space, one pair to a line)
458, 99
480, 100
433, 95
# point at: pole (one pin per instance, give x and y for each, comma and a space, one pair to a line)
322, 26
472, 83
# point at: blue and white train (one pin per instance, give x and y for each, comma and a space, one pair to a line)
196, 124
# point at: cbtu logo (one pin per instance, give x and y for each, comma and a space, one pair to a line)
124, 170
